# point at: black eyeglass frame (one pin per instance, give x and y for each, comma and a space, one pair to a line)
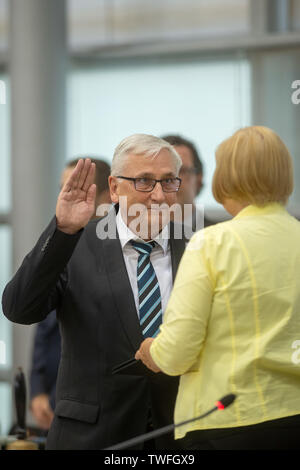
155, 181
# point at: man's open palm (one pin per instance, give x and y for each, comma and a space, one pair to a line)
76, 201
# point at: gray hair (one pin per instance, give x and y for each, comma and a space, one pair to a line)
141, 144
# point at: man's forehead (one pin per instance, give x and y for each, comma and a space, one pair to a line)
150, 164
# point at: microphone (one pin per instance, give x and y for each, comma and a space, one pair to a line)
20, 403
21, 442
221, 404
225, 401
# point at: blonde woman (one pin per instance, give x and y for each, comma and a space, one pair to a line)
232, 324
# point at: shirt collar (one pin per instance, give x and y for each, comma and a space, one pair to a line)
126, 235
251, 210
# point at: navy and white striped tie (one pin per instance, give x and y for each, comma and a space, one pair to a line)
150, 310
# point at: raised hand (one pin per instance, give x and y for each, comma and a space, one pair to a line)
76, 201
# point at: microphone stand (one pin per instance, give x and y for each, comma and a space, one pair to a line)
20, 402
220, 405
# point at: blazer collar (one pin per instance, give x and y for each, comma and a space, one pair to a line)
109, 252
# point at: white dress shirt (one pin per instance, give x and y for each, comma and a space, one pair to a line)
160, 258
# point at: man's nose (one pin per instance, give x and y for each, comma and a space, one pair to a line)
157, 193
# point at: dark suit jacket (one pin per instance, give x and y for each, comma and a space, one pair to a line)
45, 358
85, 279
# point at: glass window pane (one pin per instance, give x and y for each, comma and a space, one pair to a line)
5, 408
3, 25
96, 22
5, 195
205, 101
178, 18
5, 273
295, 15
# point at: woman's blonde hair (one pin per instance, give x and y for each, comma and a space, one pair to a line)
253, 166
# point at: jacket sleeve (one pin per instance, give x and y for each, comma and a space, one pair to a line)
37, 287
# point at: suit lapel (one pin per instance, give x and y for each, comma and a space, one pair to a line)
121, 291
109, 252
177, 247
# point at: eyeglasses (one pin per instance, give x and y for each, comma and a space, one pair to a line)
169, 185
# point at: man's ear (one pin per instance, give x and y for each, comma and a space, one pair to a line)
199, 183
113, 189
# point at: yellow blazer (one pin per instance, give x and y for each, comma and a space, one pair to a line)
232, 324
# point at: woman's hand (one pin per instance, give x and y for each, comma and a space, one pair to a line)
144, 355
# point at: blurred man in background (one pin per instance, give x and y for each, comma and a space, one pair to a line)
191, 174
47, 341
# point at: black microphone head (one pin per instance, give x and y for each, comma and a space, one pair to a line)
226, 401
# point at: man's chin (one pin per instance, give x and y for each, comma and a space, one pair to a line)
149, 223
153, 227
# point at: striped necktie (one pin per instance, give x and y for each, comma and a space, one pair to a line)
150, 310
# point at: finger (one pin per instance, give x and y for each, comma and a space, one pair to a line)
72, 181
137, 355
44, 423
46, 417
90, 177
49, 414
36, 413
91, 194
84, 172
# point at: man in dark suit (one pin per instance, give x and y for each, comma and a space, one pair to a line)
46, 344
93, 282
